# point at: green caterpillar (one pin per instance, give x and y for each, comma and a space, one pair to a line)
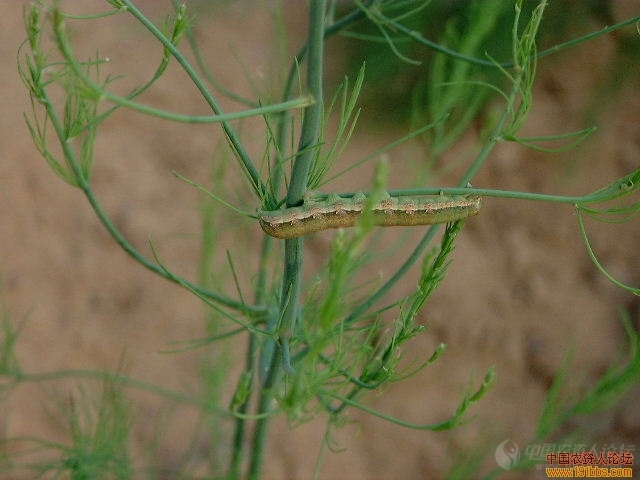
335, 212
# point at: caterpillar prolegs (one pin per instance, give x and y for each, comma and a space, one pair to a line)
335, 212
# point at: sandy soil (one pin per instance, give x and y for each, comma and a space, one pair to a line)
520, 292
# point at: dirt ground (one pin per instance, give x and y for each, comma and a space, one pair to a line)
520, 293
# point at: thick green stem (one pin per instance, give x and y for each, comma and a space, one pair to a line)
313, 114
283, 121
293, 248
300, 175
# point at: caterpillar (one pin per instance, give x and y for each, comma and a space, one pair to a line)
335, 212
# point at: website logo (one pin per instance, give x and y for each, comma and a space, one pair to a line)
507, 454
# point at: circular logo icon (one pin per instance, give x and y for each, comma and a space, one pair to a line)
507, 454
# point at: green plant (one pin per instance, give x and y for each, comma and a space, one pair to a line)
319, 352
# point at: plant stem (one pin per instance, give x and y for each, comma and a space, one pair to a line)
83, 184
313, 114
294, 247
120, 379
229, 131
308, 145
283, 121
426, 239
418, 38
250, 366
